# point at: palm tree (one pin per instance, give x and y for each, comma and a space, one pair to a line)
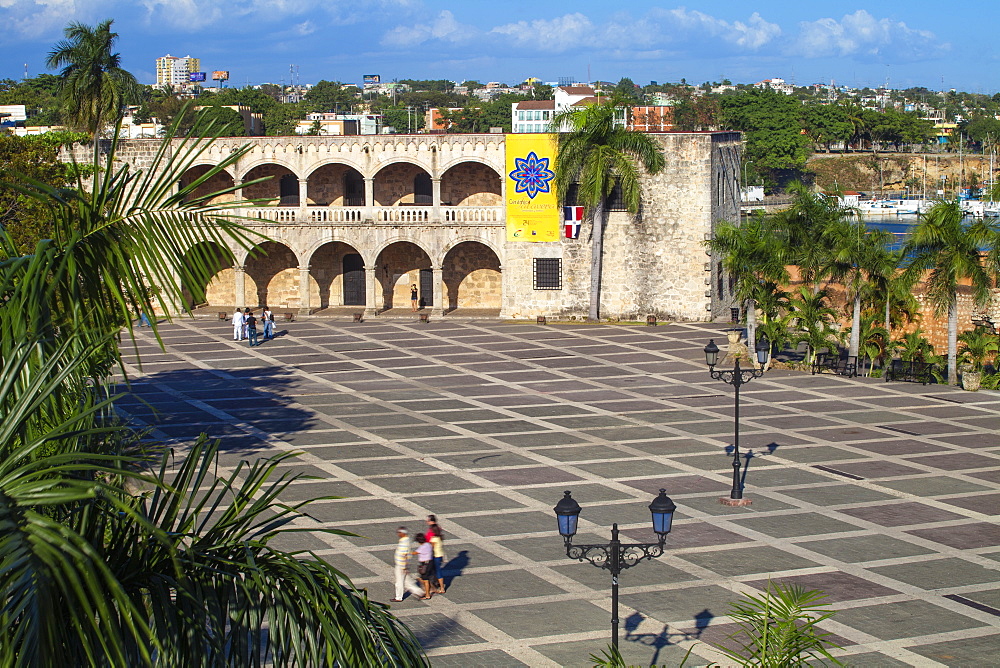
814, 322
755, 257
108, 561
93, 87
854, 255
804, 227
944, 251
600, 154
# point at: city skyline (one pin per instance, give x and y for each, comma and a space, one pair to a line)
903, 44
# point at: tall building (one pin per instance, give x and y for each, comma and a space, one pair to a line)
174, 71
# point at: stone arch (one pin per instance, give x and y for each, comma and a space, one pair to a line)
220, 288
336, 184
337, 160
336, 275
274, 191
394, 184
215, 183
398, 265
475, 239
272, 277
472, 277
492, 164
359, 246
471, 183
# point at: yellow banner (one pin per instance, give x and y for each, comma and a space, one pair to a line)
532, 206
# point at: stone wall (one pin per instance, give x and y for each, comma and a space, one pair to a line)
270, 190
472, 277
326, 185
215, 183
326, 275
726, 165
397, 268
272, 277
394, 184
471, 184
655, 262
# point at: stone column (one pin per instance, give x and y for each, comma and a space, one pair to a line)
304, 290
369, 198
438, 292
436, 200
240, 276
303, 198
371, 308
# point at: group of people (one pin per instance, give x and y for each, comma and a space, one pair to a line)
429, 552
245, 325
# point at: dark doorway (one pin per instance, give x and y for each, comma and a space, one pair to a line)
289, 190
426, 288
354, 189
423, 192
354, 280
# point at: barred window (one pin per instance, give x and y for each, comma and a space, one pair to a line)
615, 201
548, 273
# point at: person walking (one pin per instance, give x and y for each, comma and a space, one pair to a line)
425, 556
404, 581
238, 325
143, 320
414, 298
251, 323
436, 538
268, 317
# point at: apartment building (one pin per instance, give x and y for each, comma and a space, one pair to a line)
174, 71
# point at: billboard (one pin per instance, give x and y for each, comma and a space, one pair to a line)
220, 75
372, 79
196, 76
532, 206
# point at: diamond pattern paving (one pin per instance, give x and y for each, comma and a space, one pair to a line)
885, 495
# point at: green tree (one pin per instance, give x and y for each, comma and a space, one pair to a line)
219, 121
855, 252
944, 251
330, 96
93, 86
827, 124
600, 154
627, 91
814, 321
106, 566
756, 257
31, 159
771, 124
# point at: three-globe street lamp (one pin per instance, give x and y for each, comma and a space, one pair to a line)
615, 556
737, 377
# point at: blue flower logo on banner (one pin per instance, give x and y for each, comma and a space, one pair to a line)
532, 175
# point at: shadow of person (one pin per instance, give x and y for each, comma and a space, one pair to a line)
454, 567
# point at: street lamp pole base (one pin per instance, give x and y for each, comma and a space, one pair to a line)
726, 501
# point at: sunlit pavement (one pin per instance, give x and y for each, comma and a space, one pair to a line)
884, 495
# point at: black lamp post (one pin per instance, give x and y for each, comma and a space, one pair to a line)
737, 377
615, 556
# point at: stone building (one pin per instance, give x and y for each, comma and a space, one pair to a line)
355, 221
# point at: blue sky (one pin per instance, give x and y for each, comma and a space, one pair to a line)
915, 43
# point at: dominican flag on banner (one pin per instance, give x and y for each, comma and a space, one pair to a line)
572, 217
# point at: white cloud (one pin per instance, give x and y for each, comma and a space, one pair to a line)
444, 28
559, 34
305, 28
861, 33
657, 29
752, 34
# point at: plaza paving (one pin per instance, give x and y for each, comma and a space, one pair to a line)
884, 495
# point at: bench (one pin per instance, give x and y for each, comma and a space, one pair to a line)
290, 317
845, 366
910, 372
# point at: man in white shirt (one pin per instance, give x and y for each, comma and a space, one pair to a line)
238, 325
404, 580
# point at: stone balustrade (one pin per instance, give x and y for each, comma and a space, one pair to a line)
378, 214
